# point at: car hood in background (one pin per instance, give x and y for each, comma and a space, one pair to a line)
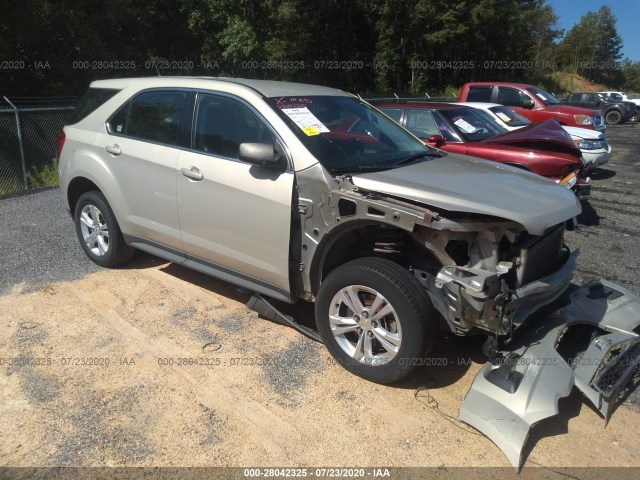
549, 130
547, 135
585, 133
573, 110
467, 184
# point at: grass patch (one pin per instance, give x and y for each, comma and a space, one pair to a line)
47, 176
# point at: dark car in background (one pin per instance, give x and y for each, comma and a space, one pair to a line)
614, 111
545, 148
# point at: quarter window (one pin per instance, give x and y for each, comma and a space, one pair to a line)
153, 116
222, 124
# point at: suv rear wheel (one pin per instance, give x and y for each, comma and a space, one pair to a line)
375, 319
98, 231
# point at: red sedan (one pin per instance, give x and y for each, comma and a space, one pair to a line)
544, 148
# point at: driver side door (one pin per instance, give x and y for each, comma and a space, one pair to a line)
235, 218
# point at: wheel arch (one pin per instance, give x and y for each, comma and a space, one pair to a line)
77, 187
331, 252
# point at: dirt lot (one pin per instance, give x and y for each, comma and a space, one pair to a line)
156, 365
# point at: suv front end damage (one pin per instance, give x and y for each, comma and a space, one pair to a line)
483, 273
593, 343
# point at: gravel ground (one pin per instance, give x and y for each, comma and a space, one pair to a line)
271, 397
38, 244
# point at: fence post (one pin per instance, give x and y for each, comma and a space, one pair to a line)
24, 166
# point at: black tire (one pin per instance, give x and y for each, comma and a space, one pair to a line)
116, 251
412, 310
613, 117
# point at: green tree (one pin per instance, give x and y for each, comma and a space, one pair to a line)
592, 48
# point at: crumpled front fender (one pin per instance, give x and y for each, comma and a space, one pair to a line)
592, 343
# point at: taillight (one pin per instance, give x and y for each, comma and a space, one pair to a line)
61, 137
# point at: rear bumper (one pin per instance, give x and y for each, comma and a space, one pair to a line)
522, 386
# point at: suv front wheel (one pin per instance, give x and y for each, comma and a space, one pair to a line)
375, 319
613, 117
99, 232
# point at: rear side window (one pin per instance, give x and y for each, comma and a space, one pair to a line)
90, 101
153, 116
479, 94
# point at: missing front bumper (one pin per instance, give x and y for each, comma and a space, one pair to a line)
521, 387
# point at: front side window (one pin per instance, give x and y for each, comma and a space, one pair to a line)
422, 124
592, 98
154, 116
471, 124
222, 124
510, 97
346, 134
546, 97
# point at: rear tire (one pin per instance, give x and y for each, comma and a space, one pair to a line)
98, 231
375, 319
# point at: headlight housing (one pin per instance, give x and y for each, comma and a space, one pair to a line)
584, 144
583, 119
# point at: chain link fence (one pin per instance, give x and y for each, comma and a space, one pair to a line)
28, 141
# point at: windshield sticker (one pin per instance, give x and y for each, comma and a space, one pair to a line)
503, 116
464, 125
292, 102
542, 97
306, 120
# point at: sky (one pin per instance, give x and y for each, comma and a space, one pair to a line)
627, 12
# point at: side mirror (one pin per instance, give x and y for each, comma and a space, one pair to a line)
527, 102
261, 154
436, 141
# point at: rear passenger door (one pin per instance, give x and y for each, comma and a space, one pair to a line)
234, 217
143, 145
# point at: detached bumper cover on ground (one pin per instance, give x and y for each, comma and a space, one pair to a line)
592, 343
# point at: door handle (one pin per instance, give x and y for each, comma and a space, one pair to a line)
113, 149
192, 173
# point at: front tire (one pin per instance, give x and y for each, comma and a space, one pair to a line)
99, 232
375, 319
613, 117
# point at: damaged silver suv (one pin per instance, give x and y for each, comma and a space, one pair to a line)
300, 192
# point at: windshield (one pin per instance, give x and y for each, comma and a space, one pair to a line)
346, 134
509, 117
546, 97
472, 125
